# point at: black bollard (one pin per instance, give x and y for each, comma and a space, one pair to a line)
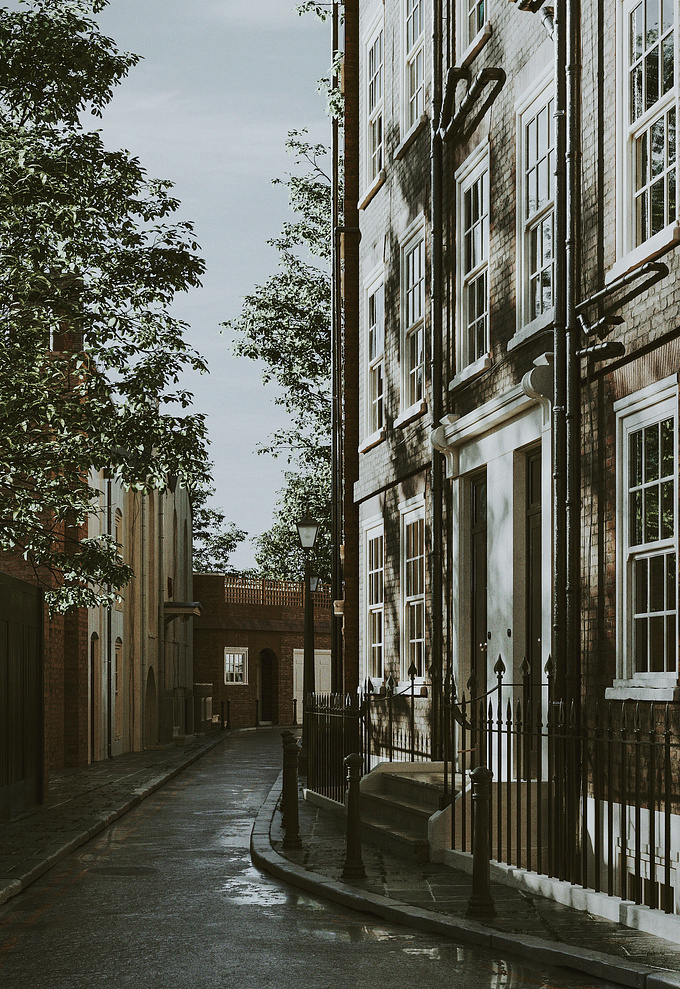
354, 866
291, 753
286, 736
481, 902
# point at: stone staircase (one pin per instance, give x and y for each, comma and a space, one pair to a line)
396, 806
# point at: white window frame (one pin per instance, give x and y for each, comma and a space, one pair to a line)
413, 298
413, 102
412, 512
538, 98
230, 666
374, 366
629, 252
646, 407
476, 168
374, 604
472, 41
375, 114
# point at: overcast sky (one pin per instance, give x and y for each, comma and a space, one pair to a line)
221, 84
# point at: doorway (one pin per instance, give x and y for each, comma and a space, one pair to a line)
266, 682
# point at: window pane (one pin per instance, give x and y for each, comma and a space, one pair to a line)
641, 586
656, 644
670, 582
656, 583
667, 451
635, 458
640, 645
641, 161
652, 21
658, 207
635, 518
652, 453
668, 64
636, 92
636, 33
658, 146
671, 644
652, 76
651, 514
667, 510
668, 14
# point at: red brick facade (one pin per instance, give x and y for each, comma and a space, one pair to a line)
270, 633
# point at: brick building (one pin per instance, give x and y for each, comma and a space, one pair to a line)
460, 259
248, 645
88, 685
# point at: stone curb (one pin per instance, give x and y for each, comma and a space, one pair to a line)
470, 932
15, 884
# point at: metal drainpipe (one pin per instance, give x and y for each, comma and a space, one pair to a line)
336, 419
560, 362
144, 619
573, 397
436, 493
160, 635
109, 639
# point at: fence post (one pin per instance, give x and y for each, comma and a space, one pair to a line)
481, 903
412, 672
354, 866
295, 720
286, 737
291, 752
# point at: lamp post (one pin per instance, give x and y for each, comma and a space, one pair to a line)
307, 532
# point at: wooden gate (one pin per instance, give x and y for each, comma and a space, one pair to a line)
21, 735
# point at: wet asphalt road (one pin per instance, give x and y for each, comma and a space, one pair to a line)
168, 897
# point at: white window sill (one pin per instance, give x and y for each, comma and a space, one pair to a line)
531, 331
473, 49
410, 137
377, 437
404, 687
373, 188
652, 249
408, 415
473, 370
634, 690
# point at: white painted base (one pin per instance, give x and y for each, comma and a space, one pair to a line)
613, 908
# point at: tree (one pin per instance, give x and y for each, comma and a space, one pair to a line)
286, 324
215, 539
90, 260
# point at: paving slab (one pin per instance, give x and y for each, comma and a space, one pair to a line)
434, 897
81, 803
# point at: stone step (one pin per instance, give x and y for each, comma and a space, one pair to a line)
402, 814
423, 790
398, 841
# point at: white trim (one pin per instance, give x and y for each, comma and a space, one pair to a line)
410, 136
376, 27
373, 189
644, 407
372, 529
408, 56
470, 172
372, 284
410, 512
528, 106
413, 236
471, 46
409, 414
235, 651
471, 371
628, 254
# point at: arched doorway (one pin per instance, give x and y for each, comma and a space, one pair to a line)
150, 712
267, 670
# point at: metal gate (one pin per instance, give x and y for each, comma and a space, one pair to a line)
21, 734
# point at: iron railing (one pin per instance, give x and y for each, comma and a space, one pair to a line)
590, 796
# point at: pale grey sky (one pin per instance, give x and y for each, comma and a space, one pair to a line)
221, 84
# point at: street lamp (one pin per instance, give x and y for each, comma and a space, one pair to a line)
307, 532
